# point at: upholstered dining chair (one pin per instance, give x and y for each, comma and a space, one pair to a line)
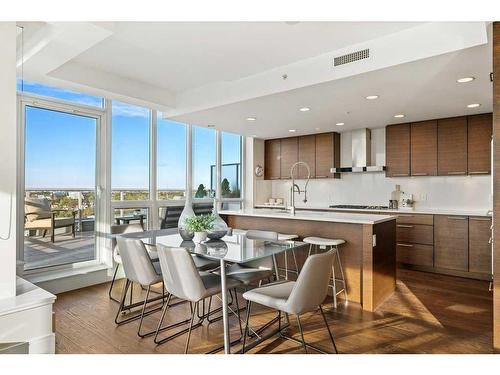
183, 280
120, 229
296, 297
139, 268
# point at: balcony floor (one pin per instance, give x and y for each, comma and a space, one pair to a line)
40, 252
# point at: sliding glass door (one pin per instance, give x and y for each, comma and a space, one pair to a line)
60, 165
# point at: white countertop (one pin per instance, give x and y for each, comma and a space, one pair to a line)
28, 296
333, 217
423, 210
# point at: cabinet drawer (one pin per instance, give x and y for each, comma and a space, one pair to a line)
415, 219
416, 254
415, 233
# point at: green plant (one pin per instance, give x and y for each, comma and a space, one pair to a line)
201, 192
200, 223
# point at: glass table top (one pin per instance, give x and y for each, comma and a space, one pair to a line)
236, 248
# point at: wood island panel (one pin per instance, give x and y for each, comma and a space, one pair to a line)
370, 276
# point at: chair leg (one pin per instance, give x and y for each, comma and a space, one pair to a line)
73, 230
238, 311
190, 328
142, 312
328, 328
334, 286
44, 233
122, 301
302, 334
52, 235
342, 273
245, 334
295, 263
113, 283
164, 311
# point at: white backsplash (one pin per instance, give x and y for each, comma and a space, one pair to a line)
467, 192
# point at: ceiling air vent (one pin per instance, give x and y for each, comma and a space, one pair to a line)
351, 57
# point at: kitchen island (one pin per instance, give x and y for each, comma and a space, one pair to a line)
368, 256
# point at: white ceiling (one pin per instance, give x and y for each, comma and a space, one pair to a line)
184, 55
423, 89
221, 73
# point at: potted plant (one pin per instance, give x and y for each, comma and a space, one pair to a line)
200, 225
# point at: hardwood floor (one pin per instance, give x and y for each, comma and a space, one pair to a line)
428, 313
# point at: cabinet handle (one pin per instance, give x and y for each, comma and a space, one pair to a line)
479, 172
457, 218
405, 215
321, 176
456, 173
400, 174
275, 178
404, 226
404, 245
480, 218
419, 174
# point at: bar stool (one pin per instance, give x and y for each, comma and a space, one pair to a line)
333, 244
289, 237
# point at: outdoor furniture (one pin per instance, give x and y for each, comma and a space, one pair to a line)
128, 218
39, 215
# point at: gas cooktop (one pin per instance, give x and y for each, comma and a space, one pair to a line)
359, 207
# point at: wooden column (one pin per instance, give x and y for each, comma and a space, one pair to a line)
496, 184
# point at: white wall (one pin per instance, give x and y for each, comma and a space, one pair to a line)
457, 192
7, 159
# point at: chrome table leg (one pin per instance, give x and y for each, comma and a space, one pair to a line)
225, 318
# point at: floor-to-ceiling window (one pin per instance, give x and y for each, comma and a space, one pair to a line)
130, 152
67, 169
60, 148
171, 159
204, 157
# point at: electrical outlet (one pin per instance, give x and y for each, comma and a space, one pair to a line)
374, 240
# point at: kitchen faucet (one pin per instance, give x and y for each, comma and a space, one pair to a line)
295, 188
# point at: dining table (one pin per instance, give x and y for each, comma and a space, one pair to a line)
235, 248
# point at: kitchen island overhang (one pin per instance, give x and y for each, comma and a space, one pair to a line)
368, 256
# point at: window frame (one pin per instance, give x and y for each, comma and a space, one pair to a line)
104, 203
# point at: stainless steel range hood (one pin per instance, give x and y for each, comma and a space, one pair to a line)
361, 142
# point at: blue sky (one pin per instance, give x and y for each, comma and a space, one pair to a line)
60, 148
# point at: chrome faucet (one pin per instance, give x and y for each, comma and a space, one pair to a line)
295, 188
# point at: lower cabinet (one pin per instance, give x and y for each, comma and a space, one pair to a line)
480, 245
451, 242
415, 254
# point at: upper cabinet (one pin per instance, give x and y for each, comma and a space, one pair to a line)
424, 148
452, 146
397, 154
272, 150
480, 130
289, 155
307, 154
444, 147
327, 154
321, 152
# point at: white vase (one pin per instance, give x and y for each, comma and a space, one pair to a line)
199, 237
186, 212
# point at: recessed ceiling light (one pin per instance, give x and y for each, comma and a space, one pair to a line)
317, 128
465, 79
251, 118
292, 130
339, 123
304, 109
211, 126
372, 97
399, 116
474, 105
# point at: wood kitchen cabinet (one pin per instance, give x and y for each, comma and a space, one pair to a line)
423, 154
289, 155
397, 157
272, 167
452, 146
451, 242
307, 154
480, 128
327, 154
479, 245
